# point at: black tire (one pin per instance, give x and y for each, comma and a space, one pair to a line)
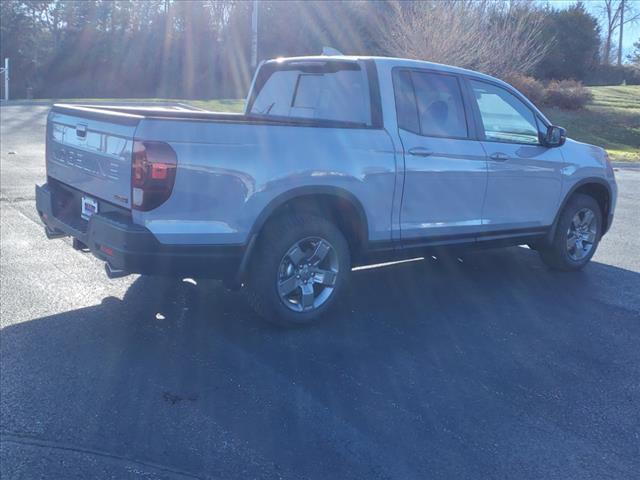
557, 255
277, 238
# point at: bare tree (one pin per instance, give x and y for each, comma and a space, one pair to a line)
616, 14
494, 37
634, 57
611, 17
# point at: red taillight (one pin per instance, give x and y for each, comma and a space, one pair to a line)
153, 173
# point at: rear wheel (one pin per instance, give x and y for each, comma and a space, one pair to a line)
577, 235
298, 269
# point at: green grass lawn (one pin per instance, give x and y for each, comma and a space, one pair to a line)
227, 105
611, 120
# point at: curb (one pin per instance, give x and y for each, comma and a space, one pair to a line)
626, 165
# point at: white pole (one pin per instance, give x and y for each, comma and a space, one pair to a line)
6, 79
254, 35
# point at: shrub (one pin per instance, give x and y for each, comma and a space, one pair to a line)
567, 94
613, 75
531, 88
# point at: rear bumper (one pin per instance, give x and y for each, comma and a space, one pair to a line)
126, 246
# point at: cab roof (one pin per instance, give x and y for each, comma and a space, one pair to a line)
392, 62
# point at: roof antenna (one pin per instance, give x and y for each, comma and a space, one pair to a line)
331, 52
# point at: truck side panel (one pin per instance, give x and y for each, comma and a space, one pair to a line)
228, 173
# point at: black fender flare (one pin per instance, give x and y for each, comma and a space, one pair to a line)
300, 192
580, 183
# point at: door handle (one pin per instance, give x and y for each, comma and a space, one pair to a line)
499, 157
420, 152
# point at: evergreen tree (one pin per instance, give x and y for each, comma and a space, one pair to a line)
574, 36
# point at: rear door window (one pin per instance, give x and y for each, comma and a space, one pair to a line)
430, 104
320, 92
406, 108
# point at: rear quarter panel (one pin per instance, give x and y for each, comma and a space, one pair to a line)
228, 173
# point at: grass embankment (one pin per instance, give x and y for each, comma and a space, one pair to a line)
611, 120
228, 105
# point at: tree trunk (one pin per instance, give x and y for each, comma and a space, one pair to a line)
607, 49
621, 28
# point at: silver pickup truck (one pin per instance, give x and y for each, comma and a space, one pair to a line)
337, 161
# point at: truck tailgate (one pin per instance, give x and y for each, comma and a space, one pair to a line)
91, 150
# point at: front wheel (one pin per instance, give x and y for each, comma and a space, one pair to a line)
577, 235
298, 270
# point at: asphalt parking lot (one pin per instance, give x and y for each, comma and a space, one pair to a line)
488, 367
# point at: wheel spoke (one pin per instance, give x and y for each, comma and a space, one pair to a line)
296, 255
590, 237
307, 296
572, 236
325, 277
320, 253
576, 222
587, 218
287, 286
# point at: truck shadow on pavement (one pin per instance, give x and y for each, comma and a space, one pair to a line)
492, 366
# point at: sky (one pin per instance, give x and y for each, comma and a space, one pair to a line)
631, 31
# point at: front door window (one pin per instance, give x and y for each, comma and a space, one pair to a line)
504, 116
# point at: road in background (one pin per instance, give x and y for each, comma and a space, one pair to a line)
488, 367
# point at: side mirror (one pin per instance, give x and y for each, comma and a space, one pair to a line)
555, 136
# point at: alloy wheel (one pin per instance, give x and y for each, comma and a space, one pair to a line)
307, 274
582, 234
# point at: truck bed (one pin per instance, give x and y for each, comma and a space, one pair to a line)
127, 115
132, 115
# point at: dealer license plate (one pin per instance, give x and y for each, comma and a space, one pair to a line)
89, 207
